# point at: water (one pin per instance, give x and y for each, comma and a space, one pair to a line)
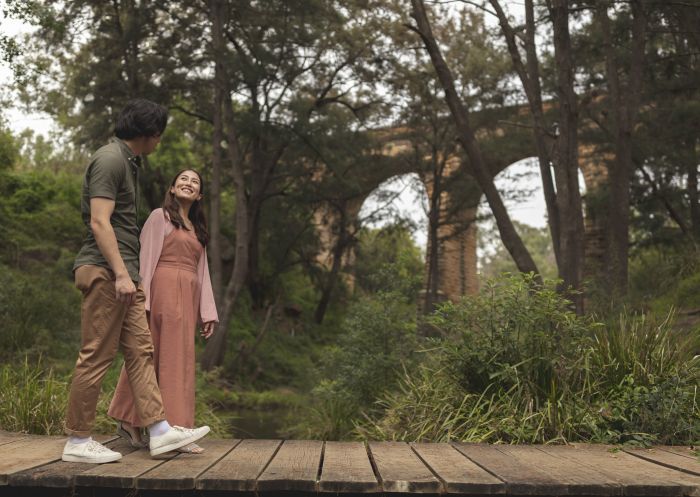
253, 423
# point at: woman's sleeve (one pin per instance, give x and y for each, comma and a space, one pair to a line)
152, 236
207, 306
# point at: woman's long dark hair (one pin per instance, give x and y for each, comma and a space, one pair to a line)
172, 207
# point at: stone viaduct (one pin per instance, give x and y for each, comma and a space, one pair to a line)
505, 137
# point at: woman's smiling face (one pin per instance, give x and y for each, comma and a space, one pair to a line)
187, 186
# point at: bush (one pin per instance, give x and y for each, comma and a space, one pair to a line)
378, 337
647, 375
40, 313
516, 333
515, 365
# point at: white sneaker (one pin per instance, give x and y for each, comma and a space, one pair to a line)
175, 438
91, 451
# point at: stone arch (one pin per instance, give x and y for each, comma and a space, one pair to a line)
504, 142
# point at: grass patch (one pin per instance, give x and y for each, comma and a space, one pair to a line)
31, 400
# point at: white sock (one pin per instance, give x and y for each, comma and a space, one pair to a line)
158, 428
79, 440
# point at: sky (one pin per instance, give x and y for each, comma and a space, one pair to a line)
18, 119
523, 176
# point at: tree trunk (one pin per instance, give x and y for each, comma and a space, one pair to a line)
254, 280
625, 103
692, 167
332, 276
215, 350
214, 248
569, 202
483, 176
259, 167
433, 278
529, 74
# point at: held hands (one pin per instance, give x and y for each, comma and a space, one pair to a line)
208, 329
126, 290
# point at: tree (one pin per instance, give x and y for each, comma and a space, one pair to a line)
625, 97
564, 206
510, 237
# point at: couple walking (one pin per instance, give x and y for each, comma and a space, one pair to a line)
143, 295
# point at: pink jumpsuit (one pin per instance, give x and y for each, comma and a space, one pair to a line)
177, 296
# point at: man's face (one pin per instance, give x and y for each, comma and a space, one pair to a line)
150, 144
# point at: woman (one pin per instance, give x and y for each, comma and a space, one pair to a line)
175, 278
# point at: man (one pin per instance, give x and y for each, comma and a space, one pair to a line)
107, 273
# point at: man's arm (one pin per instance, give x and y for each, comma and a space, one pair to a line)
100, 213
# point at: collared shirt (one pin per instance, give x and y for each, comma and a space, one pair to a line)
113, 173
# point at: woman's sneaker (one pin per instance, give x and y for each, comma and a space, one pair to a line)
174, 438
90, 451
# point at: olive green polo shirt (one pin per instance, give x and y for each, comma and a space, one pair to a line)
113, 173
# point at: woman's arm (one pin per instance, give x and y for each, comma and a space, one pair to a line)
152, 235
207, 305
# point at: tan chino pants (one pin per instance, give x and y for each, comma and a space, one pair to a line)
106, 326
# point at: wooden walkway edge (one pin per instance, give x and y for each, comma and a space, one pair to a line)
32, 466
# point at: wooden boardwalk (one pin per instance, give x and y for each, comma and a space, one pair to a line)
31, 466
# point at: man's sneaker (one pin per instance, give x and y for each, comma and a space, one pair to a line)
175, 438
91, 451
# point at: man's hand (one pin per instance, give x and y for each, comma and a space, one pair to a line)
208, 329
100, 214
126, 290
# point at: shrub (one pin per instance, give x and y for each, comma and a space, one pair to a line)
378, 337
648, 376
515, 365
40, 313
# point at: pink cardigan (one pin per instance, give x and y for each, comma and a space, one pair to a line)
155, 230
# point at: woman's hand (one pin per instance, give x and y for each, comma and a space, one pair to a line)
208, 329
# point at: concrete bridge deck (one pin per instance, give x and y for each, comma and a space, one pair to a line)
31, 466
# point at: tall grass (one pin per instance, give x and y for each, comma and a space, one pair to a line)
31, 399
517, 366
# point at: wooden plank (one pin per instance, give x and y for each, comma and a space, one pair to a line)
458, 474
668, 459
346, 469
521, 478
61, 474
11, 435
30, 453
578, 479
400, 470
638, 477
681, 450
180, 473
7, 437
120, 474
12, 440
239, 469
295, 467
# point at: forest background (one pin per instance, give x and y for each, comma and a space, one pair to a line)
284, 106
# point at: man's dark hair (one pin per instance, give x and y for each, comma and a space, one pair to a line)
141, 117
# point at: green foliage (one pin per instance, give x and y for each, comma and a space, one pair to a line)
40, 233
650, 375
31, 400
378, 337
9, 149
389, 260
39, 318
517, 366
41, 218
497, 260
673, 269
